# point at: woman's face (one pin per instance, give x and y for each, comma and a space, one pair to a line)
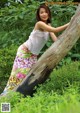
43, 15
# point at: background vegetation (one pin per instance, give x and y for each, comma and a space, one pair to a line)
60, 92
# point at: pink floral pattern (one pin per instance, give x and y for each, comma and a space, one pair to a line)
21, 67
20, 76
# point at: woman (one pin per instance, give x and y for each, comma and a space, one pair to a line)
27, 53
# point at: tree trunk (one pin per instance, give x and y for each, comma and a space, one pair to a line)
47, 62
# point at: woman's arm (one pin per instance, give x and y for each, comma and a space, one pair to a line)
43, 26
53, 36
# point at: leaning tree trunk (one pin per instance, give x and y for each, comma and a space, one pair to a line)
47, 62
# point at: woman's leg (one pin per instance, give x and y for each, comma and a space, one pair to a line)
22, 64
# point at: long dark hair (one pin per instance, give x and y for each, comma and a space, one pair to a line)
47, 10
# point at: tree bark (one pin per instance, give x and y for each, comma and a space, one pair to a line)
48, 61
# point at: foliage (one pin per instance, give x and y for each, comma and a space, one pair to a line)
44, 103
7, 56
18, 20
2, 3
62, 78
16, 23
48, 98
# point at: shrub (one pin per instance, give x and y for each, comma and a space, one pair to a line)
63, 78
7, 56
44, 102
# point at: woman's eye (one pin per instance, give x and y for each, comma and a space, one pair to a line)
41, 12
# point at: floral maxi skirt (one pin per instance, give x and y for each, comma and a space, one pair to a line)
22, 65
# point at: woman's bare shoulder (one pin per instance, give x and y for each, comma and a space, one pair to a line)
37, 25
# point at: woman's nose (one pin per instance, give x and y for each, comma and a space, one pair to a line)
44, 14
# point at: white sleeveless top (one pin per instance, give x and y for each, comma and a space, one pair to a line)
36, 41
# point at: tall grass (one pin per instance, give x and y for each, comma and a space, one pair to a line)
54, 96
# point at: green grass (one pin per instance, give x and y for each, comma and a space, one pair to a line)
59, 94
51, 102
